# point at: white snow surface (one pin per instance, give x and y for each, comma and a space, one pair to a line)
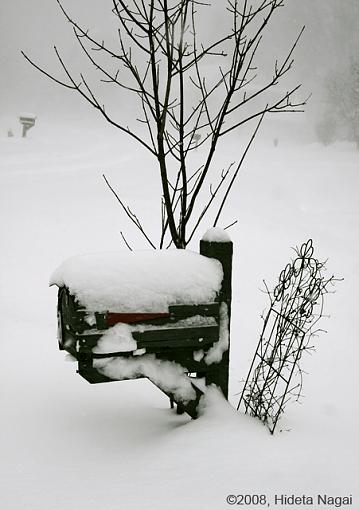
140, 281
198, 355
70, 445
216, 235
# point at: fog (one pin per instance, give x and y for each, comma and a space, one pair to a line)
330, 38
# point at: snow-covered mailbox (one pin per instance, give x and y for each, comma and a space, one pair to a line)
27, 120
160, 314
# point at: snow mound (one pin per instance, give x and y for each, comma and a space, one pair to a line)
215, 353
168, 375
116, 339
216, 235
140, 281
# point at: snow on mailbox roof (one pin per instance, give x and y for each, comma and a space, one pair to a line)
140, 281
27, 115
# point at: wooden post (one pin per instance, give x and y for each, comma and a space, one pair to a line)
218, 373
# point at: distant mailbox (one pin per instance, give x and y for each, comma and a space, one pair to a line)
27, 121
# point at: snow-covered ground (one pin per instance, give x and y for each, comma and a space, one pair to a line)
69, 445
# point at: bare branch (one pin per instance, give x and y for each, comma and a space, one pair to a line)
48, 74
237, 170
209, 203
129, 214
125, 241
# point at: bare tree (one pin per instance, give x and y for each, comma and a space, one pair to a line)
163, 60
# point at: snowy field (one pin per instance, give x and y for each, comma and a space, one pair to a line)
72, 446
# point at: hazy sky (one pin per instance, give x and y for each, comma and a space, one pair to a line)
332, 28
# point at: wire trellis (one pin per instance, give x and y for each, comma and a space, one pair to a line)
296, 305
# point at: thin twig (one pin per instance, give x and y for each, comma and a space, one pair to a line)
129, 214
